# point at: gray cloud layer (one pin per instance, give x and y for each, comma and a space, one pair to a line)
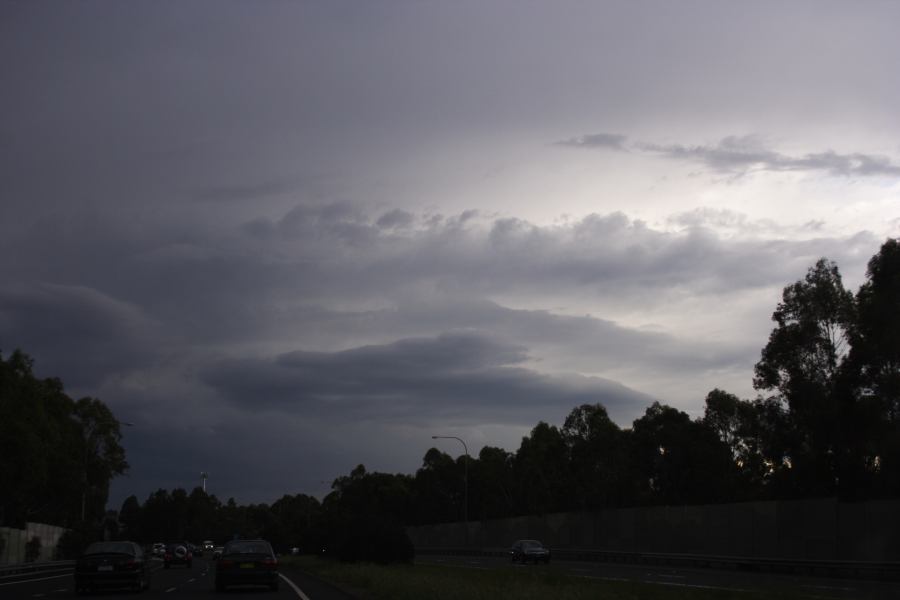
742, 154
246, 232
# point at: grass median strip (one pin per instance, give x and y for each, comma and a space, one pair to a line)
433, 582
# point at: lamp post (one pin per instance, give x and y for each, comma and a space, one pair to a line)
465, 479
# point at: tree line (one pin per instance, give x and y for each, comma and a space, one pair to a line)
825, 422
57, 455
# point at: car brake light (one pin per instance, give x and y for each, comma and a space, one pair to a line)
270, 562
225, 563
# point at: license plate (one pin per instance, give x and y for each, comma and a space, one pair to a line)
105, 568
248, 566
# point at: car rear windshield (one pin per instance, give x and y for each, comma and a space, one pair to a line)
110, 548
248, 548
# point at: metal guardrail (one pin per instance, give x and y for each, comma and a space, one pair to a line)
19, 571
889, 571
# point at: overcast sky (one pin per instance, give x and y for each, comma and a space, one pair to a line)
285, 238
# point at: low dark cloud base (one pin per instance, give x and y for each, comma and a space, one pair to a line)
463, 376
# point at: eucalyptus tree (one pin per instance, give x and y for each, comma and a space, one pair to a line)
800, 366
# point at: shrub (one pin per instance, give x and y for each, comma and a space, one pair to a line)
375, 540
33, 549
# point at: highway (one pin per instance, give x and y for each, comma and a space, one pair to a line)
795, 586
197, 582
177, 583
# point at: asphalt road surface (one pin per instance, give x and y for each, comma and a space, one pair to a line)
176, 583
795, 585
182, 583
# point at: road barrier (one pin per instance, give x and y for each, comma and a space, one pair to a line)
886, 571
11, 573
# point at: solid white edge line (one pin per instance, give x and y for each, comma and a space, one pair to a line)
294, 586
30, 580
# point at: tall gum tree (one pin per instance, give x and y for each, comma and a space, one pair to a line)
800, 365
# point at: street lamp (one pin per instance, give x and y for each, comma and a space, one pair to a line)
465, 479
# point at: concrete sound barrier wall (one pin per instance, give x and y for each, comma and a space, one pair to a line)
816, 529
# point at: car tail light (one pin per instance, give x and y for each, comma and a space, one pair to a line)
131, 565
270, 563
225, 563
168, 556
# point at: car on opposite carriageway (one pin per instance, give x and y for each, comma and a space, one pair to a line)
529, 550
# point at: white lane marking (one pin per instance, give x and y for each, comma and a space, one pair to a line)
671, 576
37, 596
32, 580
191, 580
669, 583
170, 590
829, 587
698, 586
605, 578
298, 591
61, 590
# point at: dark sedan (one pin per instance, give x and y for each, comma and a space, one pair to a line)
529, 550
247, 562
112, 565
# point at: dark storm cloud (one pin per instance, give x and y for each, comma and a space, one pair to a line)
236, 193
612, 141
452, 375
79, 334
394, 219
160, 247
742, 154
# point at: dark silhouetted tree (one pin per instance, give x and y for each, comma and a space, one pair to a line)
599, 458
542, 471
800, 364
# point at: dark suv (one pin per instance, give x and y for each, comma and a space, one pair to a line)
178, 553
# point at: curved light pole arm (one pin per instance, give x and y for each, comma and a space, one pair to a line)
465, 478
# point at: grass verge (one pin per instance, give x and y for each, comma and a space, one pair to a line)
428, 582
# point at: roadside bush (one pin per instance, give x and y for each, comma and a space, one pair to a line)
375, 540
73, 542
33, 549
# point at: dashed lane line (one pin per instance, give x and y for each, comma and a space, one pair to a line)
170, 590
